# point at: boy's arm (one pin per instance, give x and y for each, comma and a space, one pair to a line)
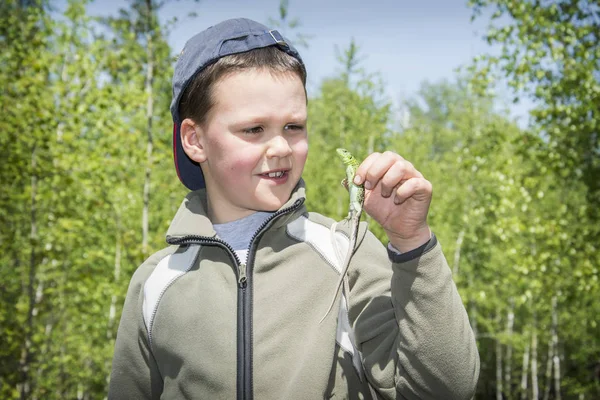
416, 341
135, 374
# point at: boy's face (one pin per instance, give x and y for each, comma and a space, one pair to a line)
253, 144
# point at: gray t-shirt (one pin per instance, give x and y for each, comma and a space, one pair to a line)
238, 233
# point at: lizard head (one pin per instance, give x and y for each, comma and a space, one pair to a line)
345, 155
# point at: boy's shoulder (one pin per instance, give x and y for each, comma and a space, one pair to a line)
142, 272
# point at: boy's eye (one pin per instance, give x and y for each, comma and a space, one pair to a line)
253, 131
293, 127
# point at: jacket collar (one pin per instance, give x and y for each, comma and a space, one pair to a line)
192, 216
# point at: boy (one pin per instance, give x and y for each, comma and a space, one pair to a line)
231, 309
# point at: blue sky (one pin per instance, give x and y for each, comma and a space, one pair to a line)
406, 41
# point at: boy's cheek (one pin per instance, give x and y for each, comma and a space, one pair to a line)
301, 150
242, 164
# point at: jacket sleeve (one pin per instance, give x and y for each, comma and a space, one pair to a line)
410, 324
135, 374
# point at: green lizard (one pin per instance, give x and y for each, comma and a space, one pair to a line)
357, 197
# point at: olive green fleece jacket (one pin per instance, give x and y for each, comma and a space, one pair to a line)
198, 325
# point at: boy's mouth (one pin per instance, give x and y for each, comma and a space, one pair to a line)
277, 176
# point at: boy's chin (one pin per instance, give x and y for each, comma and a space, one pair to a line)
271, 207
273, 204
273, 199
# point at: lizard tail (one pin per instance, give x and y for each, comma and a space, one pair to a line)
344, 267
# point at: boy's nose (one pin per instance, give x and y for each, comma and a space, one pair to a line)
278, 147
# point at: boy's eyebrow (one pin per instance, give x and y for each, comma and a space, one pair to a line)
252, 119
297, 118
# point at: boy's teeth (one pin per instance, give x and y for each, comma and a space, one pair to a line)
275, 174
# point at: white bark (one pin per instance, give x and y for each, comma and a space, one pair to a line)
535, 391
510, 320
548, 370
149, 117
498, 363
525, 372
555, 358
473, 319
456, 263
498, 370
473, 311
24, 386
117, 272
44, 351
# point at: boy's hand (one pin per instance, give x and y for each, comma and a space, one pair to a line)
397, 196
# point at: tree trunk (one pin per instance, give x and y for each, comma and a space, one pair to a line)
556, 358
371, 143
456, 263
548, 370
60, 384
24, 387
473, 318
149, 117
535, 391
498, 362
113, 302
62, 375
525, 373
473, 310
44, 350
510, 320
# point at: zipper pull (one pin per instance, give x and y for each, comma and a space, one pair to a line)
242, 279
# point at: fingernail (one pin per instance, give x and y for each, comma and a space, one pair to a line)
357, 179
368, 185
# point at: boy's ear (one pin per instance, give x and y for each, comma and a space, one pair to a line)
191, 140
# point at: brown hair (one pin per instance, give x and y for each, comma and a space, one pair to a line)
197, 99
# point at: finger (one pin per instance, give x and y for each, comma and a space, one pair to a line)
400, 171
379, 168
417, 188
361, 171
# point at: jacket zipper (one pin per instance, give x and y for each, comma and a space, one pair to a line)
244, 385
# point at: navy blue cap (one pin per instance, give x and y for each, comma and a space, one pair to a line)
228, 37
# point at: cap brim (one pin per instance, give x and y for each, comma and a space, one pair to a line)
188, 171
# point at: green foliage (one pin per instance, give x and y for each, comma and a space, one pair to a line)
23, 34
75, 138
550, 53
515, 210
